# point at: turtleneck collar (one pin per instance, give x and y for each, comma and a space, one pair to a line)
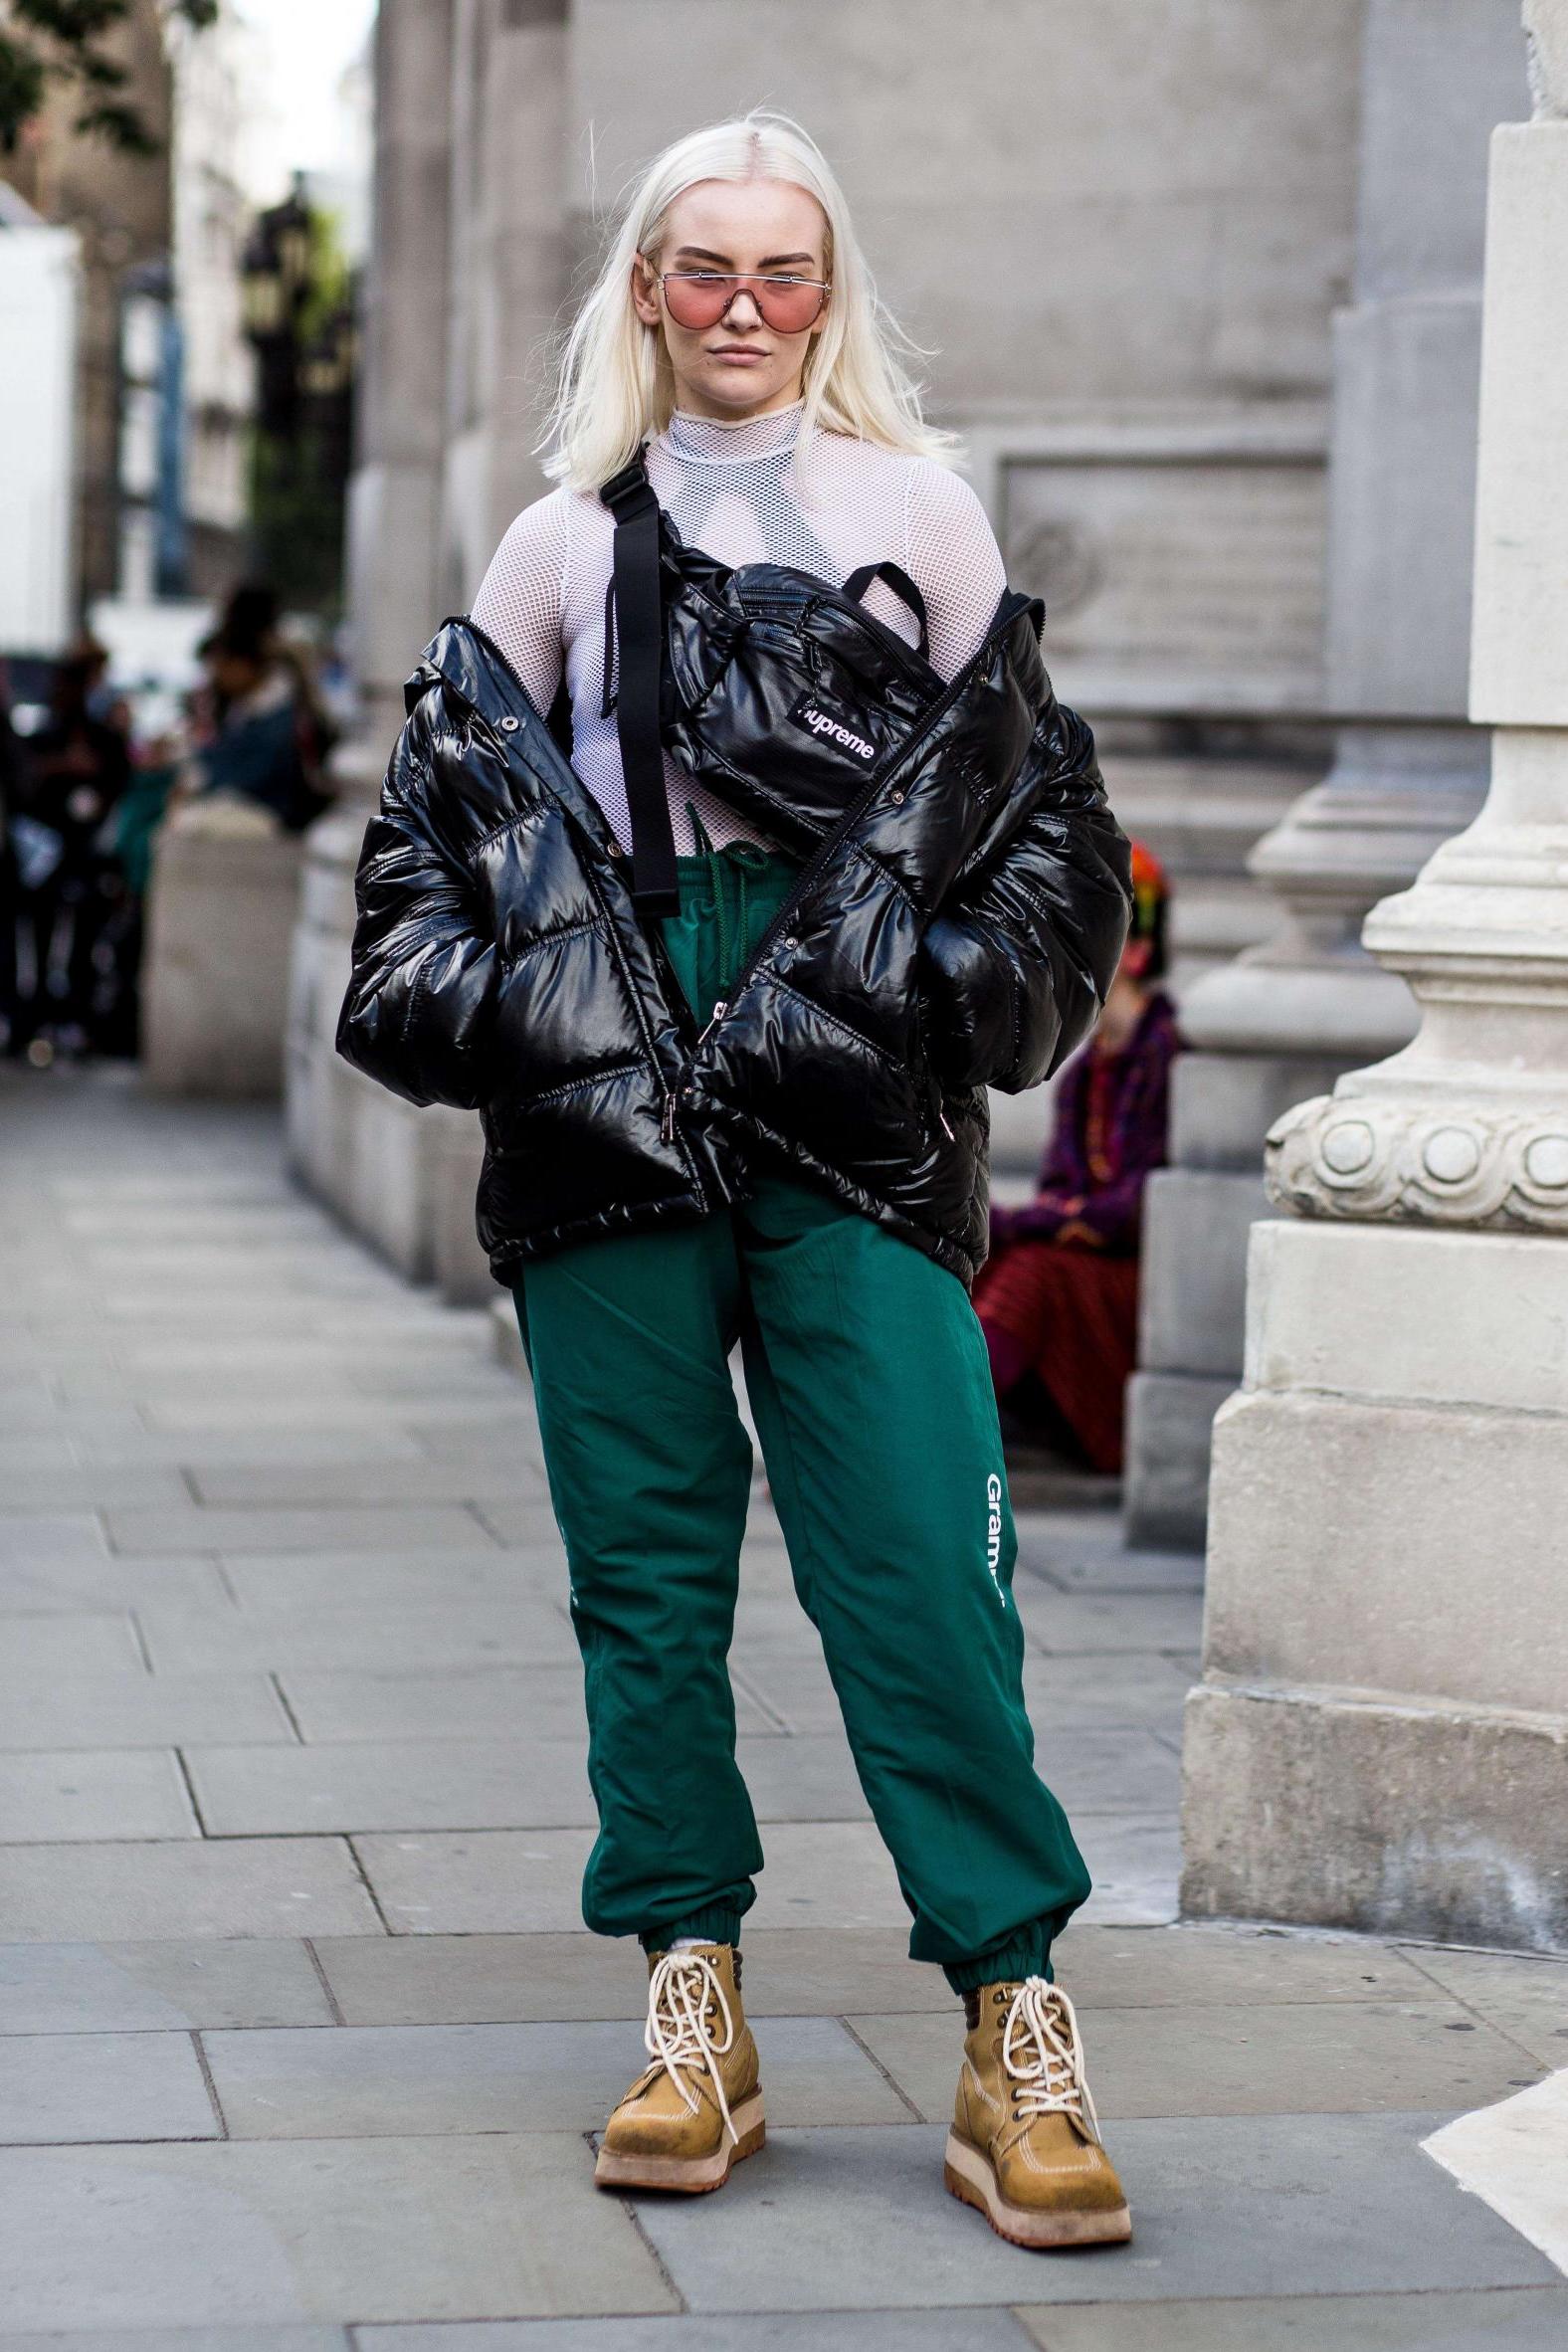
716, 441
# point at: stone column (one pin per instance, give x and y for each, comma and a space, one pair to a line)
1381, 1736
1290, 1015
337, 1127
394, 535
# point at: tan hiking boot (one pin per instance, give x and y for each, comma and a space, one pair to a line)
698, 2110
1025, 2148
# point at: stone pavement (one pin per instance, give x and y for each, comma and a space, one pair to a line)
301, 2043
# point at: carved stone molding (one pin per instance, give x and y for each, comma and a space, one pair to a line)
1421, 1161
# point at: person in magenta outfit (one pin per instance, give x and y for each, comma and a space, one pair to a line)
1058, 1298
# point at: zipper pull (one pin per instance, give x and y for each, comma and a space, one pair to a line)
946, 1129
667, 1124
719, 1010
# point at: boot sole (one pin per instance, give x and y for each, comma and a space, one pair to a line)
969, 2177
687, 2176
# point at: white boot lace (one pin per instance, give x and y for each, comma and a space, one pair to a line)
1042, 2054
676, 2033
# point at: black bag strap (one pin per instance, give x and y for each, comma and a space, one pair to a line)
640, 632
900, 583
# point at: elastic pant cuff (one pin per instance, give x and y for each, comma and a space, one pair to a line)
1028, 1954
719, 1924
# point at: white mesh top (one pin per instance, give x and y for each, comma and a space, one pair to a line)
743, 492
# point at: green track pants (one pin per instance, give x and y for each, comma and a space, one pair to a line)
869, 1380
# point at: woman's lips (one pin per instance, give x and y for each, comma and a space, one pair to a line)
739, 354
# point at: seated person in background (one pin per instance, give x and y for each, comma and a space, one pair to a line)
1058, 1298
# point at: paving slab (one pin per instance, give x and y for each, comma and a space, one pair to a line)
1522, 1996
1496, 2320
350, 1449
195, 1528
1120, 1770
478, 1979
204, 1887
1086, 1551
35, 1482
465, 1633
101, 2087
1256, 2206
794, 1687
1144, 1686
497, 1431
94, 1794
83, 1587
35, 1451
1067, 1625
184, 2341
59, 1536
791, 2331
274, 2232
544, 1702
237, 1420
770, 1622
292, 1584
1318, 2058
1135, 1861
415, 1479
86, 1987
37, 1649
363, 2081
1188, 1965
131, 1710
476, 1784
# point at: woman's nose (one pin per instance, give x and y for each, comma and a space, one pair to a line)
735, 316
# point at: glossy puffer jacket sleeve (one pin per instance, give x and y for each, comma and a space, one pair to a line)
424, 972
1017, 965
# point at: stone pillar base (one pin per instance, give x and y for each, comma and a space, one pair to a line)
1334, 1808
1380, 1740
402, 1179
214, 986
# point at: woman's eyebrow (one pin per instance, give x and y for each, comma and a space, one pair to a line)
773, 261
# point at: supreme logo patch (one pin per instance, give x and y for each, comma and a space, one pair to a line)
831, 727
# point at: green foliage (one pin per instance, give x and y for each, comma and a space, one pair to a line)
58, 40
297, 522
295, 480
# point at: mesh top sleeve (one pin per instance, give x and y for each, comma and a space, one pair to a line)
523, 596
954, 561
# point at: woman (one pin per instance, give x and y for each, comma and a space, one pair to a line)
733, 1086
1058, 1300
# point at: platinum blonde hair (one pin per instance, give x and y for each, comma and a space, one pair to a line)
615, 385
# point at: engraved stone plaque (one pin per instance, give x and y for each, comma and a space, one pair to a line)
1174, 584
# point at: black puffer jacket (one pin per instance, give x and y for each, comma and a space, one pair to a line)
956, 924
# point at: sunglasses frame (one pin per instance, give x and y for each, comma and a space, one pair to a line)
746, 281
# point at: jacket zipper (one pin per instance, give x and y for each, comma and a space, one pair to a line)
851, 818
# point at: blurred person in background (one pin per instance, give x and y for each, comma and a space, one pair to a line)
1058, 1298
263, 732
73, 773
728, 1017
